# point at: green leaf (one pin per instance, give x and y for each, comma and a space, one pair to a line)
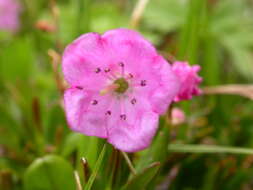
96, 168
165, 16
142, 179
232, 28
70, 144
241, 56
154, 153
88, 148
49, 172
16, 60
84, 146
83, 16
190, 34
105, 16
191, 148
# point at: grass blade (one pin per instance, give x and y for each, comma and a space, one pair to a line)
191, 148
142, 179
96, 168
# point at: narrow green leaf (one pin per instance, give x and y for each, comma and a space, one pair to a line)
191, 148
83, 16
49, 172
154, 153
171, 14
142, 179
190, 34
70, 144
210, 178
96, 168
88, 148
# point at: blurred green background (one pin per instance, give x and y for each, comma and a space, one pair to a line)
39, 152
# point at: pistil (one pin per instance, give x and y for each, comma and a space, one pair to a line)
122, 85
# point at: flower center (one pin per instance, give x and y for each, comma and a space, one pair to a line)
122, 85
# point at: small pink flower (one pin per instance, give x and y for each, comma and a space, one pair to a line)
177, 116
9, 15
189, 79
119, 87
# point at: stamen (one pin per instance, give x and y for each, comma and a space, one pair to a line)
108, 112
133, 101
79, 87
109, 88
143, 83
107, 70
123, 116
97, 70
121, 64
130, 76
94, 102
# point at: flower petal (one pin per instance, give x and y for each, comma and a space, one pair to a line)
132, 138
120, 36
82, 113
81, 59
131, 48
132, 126
189, 79
9, 15
168, 86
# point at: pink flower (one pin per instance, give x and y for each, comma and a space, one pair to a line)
177, 116
189, 79
9, 15
119, 87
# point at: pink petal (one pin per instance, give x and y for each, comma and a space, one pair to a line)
137, 129
189, 80
82, 115
121, 36
131, 48
135, 137
168, 86
177, 116
9, 15
82, 58
137, 52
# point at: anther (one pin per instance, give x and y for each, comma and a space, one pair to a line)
123, 116
79, 87
121, 64
97, 70
143, 83
94, 102
130, 75
108, 112
107, 70
133, 101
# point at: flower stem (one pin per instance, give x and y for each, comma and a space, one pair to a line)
129, 163
230, 89
138, 12
78, 182
86, 172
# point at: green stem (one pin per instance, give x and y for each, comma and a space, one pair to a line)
83, 16
129, 163
195, 148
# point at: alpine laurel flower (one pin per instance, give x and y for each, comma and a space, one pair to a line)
119, 85
9, 15
189, 80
